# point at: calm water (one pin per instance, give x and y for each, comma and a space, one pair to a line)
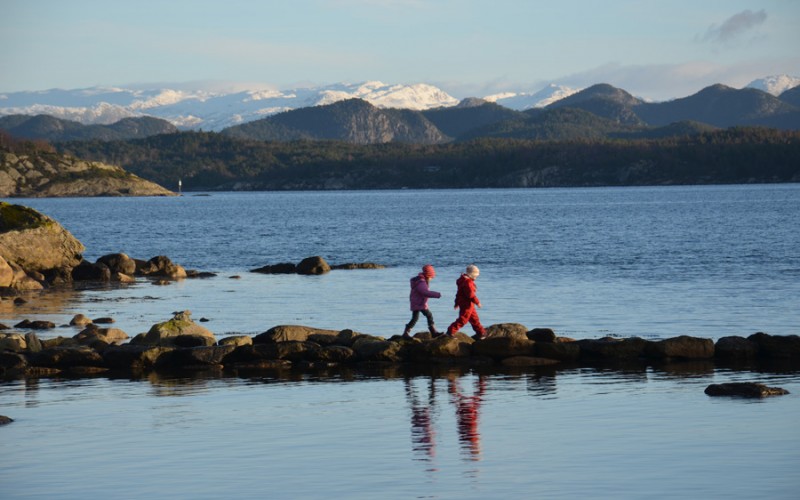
653, 262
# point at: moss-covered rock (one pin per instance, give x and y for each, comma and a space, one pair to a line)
166, 333
34, 241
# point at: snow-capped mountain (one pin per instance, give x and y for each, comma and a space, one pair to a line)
776, 84
211, 110
523, 100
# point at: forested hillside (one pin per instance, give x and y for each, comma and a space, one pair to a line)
209, 161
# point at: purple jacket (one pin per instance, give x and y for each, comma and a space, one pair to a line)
420, 293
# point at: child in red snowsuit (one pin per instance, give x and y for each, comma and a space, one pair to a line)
465, 302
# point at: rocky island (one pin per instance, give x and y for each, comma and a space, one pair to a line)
35, 170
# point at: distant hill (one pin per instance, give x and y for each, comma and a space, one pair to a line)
34, 170
469, 115
354, 120
717, 105
605, 101
54, 129
791, 96
557, 124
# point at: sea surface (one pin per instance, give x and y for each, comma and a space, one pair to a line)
653, 262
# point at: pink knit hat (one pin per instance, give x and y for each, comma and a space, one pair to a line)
428, 271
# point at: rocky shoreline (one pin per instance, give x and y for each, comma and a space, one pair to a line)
180, 344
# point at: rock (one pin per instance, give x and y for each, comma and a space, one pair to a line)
444, 347
504, 347
195, 357
521, 361
612, 348
744, 389
507, 330
5, 420
58, 276
362, 265
336, 354
13, 342
67, 357
283, 333
164, 334
122, 278
128, 356
34, 241
23, 281
777, 346
80, 320
683, 347
12, 363
293, 351
34, 344
562, 351
368, 349
542, 335
313, 265
118, 263
92, 334
192, 340
236, 340
103, 321
6, 273
35, 325
735, 348
284, 268
86, 271
161, 266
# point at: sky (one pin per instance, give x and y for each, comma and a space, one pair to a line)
653, 49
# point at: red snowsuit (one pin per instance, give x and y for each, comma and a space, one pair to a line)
466, 300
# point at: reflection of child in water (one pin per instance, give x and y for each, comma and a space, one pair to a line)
422, 434
467, 408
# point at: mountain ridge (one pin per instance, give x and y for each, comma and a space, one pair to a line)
197, 109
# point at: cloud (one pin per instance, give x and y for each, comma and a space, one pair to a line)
734, 27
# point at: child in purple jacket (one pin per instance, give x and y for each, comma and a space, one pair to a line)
419, 300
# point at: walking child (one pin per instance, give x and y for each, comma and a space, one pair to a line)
419, 300
466, 300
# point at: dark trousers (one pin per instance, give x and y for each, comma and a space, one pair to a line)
415, 316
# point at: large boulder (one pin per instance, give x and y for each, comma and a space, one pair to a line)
67, 357
166, 334
562, 351
777, 346
377, 349
34, 241
682, 347
504, 347
162, 267
13, 342
128, 356
744, 389
92, 335
507, 330
86, 271
445, 348
118, 263
196, 357
735, 348
612, 349
284, 333
313, 265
